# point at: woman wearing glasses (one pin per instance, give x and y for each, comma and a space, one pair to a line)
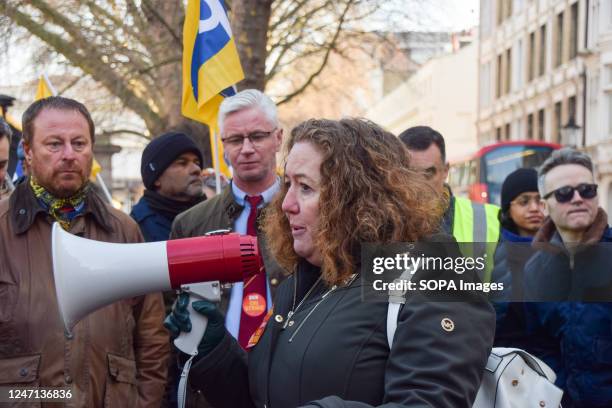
520, 218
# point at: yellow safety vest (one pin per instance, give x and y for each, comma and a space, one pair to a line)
477, 223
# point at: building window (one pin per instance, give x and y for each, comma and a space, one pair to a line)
573, 31
507, 131
504, 10
499, 77
530, 126
558, 59
556, 133
498, 134
571, 108
508, 70
542, 62
531, 57
608, 75
541, 124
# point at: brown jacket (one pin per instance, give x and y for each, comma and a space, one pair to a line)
118, 355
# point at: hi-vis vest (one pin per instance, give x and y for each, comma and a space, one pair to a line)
477, 223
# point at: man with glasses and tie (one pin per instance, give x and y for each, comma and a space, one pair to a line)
251, 137
571, 270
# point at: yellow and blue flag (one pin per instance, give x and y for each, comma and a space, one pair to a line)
211, 66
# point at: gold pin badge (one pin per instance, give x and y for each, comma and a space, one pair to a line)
447, 324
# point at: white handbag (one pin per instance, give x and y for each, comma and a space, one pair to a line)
512, 378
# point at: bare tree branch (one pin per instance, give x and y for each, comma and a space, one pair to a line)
317, 72
89, 62
125, 131
69, 85
153, 11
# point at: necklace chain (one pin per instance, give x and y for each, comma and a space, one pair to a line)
314, 285
295, 308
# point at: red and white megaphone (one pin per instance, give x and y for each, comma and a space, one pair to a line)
91, 274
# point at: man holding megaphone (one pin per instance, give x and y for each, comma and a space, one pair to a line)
116, 356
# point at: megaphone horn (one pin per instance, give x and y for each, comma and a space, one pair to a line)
91, 274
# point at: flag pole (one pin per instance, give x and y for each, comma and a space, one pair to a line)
213, 134
102, 184
49, 84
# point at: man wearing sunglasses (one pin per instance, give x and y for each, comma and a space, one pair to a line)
573, 337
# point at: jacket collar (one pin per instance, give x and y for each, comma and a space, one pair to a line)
141, 210
548, 235
512, 237
230, 206
24, 208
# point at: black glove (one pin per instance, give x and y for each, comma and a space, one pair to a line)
178, 321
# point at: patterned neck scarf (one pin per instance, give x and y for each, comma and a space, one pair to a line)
63, 210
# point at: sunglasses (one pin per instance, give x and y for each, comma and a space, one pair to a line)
566, 193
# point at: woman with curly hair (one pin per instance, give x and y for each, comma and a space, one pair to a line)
346, 183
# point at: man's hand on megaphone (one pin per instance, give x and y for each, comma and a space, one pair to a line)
178, 321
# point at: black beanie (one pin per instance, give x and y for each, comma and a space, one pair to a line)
518, 182
161, 152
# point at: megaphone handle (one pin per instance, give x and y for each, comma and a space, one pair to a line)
188, 342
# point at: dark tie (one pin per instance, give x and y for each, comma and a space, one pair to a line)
254, 299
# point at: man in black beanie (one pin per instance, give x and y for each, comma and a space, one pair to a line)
170, 168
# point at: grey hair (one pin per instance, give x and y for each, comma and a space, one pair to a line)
566, 155
5, 130
248, 98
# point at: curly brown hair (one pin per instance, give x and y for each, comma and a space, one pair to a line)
368, 194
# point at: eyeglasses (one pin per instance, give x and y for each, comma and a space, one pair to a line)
525, 200
256, 138
566, 193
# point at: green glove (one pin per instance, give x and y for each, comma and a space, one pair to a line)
178, 321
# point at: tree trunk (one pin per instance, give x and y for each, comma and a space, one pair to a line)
250, 21
199, 132
165, 22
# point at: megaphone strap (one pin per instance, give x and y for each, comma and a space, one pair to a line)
182, 386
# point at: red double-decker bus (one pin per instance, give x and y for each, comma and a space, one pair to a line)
480, 176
